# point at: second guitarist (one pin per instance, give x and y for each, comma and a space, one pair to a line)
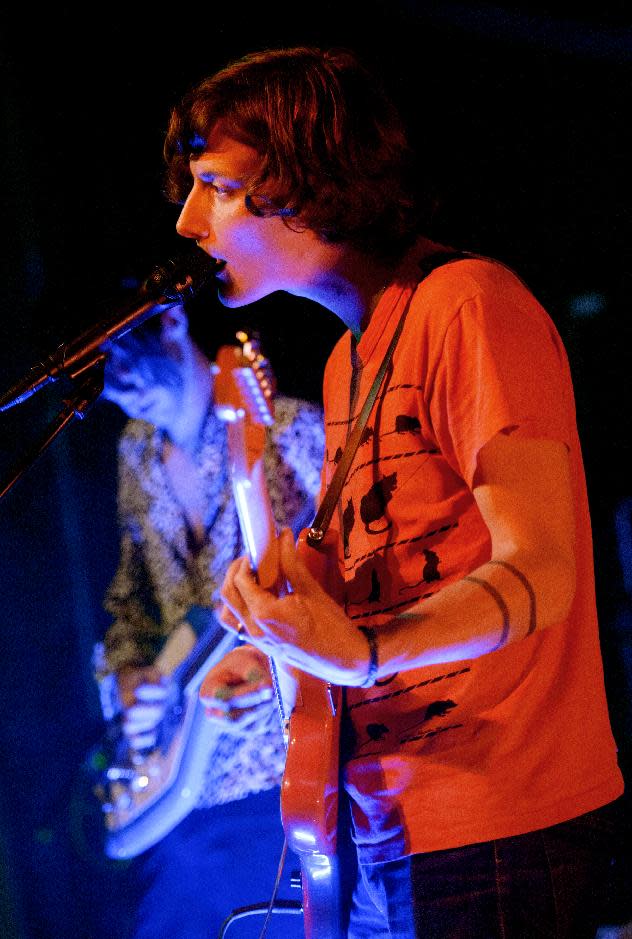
179, 532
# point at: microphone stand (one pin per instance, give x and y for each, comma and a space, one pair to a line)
75, 407
83, 360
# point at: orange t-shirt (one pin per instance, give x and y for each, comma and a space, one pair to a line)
515, 740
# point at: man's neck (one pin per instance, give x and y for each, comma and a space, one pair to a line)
187, 433
367, 279
350, 284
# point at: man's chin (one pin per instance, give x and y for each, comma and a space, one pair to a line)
229, 300
227, 295
231, 297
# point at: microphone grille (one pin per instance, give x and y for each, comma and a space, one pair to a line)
180, 277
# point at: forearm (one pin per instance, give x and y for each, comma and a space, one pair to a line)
502, 601
527, 585
529, 582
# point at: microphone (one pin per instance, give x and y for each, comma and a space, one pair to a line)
173, 282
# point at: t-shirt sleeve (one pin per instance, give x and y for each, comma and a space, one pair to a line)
500, 366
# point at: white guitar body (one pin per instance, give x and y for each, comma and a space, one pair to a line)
144, 794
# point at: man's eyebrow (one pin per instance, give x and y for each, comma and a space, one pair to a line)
212, 173
207, 166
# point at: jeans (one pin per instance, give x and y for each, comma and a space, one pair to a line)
216, 860
547, 884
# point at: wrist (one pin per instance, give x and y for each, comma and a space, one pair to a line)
372, 657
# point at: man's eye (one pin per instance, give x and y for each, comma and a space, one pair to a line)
216, 187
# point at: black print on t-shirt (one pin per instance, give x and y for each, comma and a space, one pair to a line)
368, 582
373, 504
382, 682
348, 521
376, 590
366, 435
431, 567
429, 573
378, 732
438, 709
430, 570
405, 424
434, 709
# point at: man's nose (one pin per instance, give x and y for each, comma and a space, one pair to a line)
193, 222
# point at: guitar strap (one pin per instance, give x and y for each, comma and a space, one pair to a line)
326, 509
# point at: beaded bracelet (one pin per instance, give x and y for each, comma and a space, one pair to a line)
371, 637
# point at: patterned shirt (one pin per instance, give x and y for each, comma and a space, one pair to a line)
161, 576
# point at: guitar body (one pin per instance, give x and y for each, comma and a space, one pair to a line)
144, 794
309, 792
309, 804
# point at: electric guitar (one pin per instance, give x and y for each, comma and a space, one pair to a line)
309, 793
145, 793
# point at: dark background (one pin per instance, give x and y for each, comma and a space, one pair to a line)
521, 116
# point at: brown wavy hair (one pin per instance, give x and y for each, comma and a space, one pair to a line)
335, 156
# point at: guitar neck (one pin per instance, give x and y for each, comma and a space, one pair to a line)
212, 644
258, 527
243, 400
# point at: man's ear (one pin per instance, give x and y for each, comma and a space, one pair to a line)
174, 323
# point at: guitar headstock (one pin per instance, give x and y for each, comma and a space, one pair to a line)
243, 382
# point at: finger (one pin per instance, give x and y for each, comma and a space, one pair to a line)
235, 615
294, 568
145, 711
229, 592
241, 670
226, 697
143, 717
253, 599
143, 741
130, 728
232, 623
249, 718
132, 731
242, 721
221, 678
216, 715
249, 699
250, 602
152, 692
